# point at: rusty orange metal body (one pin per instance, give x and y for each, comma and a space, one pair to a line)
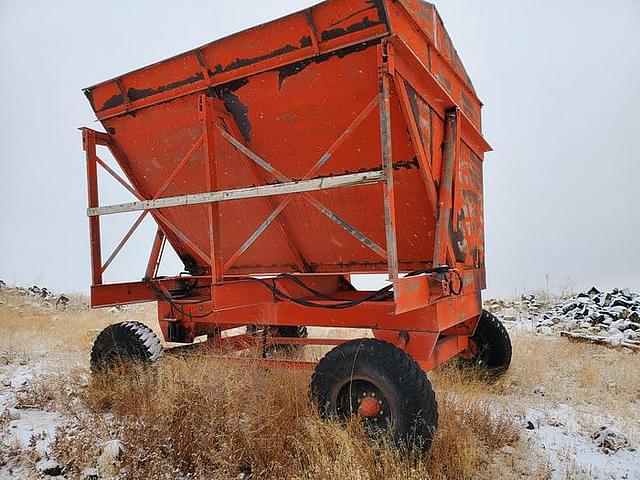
342, 139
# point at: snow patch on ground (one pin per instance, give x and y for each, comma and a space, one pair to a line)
27, 432
558, 435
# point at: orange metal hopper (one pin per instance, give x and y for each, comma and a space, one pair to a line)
342, 139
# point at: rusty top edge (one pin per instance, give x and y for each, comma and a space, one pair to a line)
304, 11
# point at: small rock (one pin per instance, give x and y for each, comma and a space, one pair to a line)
609, 439
111, 453
618, 302
63, 301
593, 292
49, 467
508, 450
539, 391
531, 419
20, 380
113, 449
89, 474
13, 414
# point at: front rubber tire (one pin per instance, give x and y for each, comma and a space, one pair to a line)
491, 346
122, 344
360, 368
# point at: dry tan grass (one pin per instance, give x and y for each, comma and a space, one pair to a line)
212, 419
32, 326
202, 416
576, 373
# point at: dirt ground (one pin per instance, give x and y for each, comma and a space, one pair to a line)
564, 411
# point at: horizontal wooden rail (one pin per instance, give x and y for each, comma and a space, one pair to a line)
286, 188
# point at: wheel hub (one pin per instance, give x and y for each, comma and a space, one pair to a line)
369, 407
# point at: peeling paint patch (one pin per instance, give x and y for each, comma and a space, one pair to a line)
138, 94
114, 101
305, 42
238, 110
297, 67
407, 164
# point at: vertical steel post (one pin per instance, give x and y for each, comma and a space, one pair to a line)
207, 115
445, 194
89, 145
154, 257
387, 164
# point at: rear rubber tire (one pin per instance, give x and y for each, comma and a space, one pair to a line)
125, 343
282, 331
374, 368
291, 332
493, 347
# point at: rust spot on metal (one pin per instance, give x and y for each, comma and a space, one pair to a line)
444, 81
467, 104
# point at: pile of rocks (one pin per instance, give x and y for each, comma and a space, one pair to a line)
525, 308
611, 317
38, 296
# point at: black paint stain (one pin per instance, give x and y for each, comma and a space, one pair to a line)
305, 42
135, 94
89, 94
363, 24
238, 110
358, 26
381, 9
114, 101
407, 164
297, 67
339, 32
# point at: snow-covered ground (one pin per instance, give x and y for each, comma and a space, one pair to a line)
574, 424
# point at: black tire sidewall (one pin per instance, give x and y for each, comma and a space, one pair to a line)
404, 384
119, 340
494, 345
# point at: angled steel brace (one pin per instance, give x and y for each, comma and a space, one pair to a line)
314, 202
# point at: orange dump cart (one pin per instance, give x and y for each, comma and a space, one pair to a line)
277, 162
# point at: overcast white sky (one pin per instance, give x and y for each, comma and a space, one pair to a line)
560, 81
